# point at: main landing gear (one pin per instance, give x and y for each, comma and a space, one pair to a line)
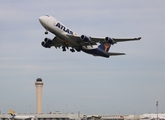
63, 49
72, 50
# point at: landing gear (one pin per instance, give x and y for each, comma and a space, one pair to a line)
78, 50
72, 50
46, 32
63, 49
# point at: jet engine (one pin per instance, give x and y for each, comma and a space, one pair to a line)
47, 43
110, 40
85, 38
47, 39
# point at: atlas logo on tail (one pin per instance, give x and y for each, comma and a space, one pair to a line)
105, 47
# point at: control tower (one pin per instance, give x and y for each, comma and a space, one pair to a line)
39, 85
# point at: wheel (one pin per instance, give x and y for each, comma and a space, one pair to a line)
63, 49
72, 50
46, 32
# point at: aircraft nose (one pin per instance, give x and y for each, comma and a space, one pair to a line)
42, 19
45, 21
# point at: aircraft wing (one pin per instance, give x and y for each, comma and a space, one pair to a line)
84, 40
56, 42
125, 39
114, 39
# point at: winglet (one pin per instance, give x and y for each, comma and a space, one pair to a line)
139, 38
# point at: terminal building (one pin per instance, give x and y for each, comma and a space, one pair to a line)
62, 116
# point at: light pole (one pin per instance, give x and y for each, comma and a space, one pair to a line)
157, 109
66, 109
47, 108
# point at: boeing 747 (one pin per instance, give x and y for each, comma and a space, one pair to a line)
68, 39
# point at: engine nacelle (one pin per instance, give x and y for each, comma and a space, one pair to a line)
43, 43
85, 38
47, 40
110, 40
47, 43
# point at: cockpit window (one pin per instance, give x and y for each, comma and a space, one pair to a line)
48, 15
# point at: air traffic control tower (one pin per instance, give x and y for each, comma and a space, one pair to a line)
39, 85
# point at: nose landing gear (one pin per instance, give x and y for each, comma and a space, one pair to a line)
46, 32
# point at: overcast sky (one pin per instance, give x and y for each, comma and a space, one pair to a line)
77, 81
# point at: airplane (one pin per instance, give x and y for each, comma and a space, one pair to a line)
153, 117
18, 117
66, 38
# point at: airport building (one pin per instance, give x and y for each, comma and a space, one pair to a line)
65, 116
61, 116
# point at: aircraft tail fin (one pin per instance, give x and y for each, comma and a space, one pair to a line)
105, 46
11, 112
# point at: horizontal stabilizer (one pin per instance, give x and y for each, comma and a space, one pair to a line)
113, 53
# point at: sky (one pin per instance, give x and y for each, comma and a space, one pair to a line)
73, 82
